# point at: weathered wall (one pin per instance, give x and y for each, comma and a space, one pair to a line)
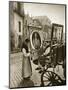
17, 18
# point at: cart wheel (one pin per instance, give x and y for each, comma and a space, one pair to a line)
49, 78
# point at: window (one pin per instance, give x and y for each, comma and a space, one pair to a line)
19, 41
19, 26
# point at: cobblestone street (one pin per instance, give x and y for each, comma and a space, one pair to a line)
16, 79
16, 71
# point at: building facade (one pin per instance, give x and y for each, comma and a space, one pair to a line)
16, 24
21, 25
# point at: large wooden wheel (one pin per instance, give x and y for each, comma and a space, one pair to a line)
49, 78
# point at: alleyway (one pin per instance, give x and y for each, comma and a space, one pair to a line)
16, 71
16, 79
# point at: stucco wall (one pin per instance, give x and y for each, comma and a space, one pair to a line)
17, 18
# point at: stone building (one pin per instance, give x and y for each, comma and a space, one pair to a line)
46, 26
31, 25
21, 25
42, 24
16, 24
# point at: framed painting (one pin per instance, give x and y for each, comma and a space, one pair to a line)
57, 32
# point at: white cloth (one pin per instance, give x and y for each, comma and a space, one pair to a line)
24, 53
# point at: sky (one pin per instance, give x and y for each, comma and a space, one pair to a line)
56, 13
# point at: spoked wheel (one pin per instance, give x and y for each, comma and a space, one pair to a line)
49, 78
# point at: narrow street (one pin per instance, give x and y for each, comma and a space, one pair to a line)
16, 79
16, 71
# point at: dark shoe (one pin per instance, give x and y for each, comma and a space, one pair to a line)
24, 79
38, 68
27, 78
